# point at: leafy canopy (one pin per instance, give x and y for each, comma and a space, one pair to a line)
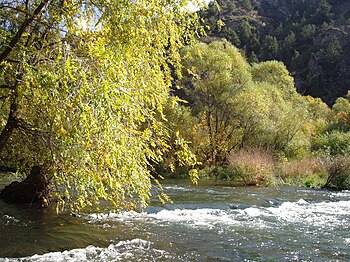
85, 85
236, 105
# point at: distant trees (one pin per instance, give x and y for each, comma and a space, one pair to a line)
270, 47
333, 53
310, 37
236, 105
215, 73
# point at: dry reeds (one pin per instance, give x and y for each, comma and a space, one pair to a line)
302, 167
252, 166
309, 171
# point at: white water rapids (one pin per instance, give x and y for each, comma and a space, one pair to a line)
285, 224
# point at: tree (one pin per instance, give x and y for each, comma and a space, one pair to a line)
246, 5
308, 32
274, 73
248, 35
290, 119
270, 47
341, 113
322, 13
288, 45
214, 74
83, 86
333, 53
240, 106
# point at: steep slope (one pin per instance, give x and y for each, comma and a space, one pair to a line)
310, 36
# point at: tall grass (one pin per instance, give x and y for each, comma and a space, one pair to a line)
252, 166
308, 171
259, 167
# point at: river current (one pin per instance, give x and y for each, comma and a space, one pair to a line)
208, 222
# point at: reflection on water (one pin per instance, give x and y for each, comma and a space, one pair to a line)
206, 223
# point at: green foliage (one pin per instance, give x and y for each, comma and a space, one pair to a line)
336, 139
341, 113
179, 121
310, 38
317, 180
214, 74
308, 31
333, 52
216, 173
284, 123
270, 47
333, 143
247, 5
248, 34
322, 13
274, 73
85, 88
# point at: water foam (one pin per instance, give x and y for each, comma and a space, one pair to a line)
205, 217
330, 214
128, 250
321, 214
196, 218
177, 188
7, 220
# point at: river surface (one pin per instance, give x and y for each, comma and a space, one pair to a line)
208, 222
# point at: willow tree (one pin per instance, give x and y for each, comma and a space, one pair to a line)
214, 74
83, 84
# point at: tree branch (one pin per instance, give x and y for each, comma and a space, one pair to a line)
34, 19
6, 87
20, 32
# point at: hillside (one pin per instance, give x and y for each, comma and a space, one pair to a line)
310, 36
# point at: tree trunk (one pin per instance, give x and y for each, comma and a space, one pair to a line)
11, 124
35, 189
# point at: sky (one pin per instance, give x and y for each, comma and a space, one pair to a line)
196, 4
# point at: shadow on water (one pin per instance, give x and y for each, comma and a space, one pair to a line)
27, 230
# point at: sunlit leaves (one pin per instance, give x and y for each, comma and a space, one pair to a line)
274, 73
217, 73
94, 80
241, 106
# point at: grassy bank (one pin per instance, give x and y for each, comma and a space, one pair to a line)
262, 168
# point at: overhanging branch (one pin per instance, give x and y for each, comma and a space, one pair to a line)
20, 31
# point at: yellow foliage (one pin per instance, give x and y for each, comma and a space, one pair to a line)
93, 94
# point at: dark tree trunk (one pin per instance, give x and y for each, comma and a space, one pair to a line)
34, 189
12, 123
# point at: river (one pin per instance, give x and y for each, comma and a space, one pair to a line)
208, 222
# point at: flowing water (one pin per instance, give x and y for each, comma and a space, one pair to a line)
208, 222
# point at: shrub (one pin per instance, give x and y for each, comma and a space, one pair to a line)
216, 172
338, 172
334, 143
308, 171
252, 167
317, 180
